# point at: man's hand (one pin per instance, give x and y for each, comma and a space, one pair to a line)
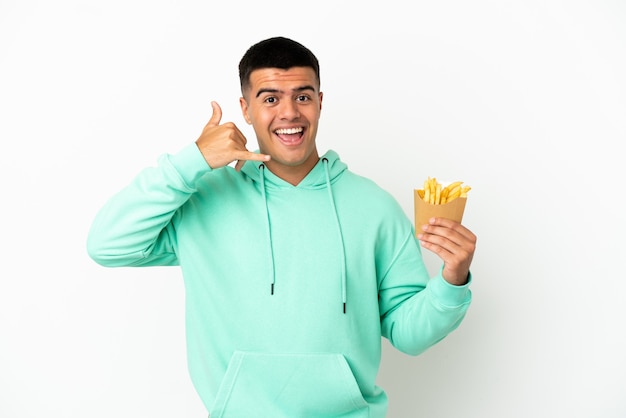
454, 244
222, 144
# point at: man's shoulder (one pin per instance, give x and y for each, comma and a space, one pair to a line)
368, 190
360, 180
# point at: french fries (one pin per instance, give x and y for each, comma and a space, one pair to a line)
436, 194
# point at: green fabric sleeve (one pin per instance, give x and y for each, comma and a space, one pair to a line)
134, 227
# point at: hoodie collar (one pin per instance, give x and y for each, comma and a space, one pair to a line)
316, 179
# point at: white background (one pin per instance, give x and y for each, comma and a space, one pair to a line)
523, 100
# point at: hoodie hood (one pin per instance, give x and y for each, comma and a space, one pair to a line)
323, 175
316, 179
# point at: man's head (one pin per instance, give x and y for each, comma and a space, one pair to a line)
281, 99
277, 52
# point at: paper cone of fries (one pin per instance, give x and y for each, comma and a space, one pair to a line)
424, 211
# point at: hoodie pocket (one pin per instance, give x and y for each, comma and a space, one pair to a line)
290, 386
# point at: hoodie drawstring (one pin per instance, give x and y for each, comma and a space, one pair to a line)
339, 234
269, 229
337, 223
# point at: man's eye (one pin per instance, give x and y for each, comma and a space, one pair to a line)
302, 98
270, 99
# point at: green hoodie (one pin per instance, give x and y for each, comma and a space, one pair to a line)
288, 288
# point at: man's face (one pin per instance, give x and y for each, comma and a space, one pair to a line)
283, 107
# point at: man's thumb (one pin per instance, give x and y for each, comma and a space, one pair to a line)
216, 117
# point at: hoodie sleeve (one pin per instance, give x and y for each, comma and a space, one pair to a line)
134, 228
418, 311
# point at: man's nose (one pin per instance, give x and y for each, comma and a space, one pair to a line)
289, 110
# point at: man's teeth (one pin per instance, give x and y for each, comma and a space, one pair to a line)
289, 131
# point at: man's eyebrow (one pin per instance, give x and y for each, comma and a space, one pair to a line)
295, 90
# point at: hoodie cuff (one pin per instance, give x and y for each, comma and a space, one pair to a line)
190, 164
450, 295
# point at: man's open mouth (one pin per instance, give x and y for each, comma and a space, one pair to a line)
290, 136
289, 131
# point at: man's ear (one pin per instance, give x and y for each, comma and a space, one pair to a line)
244, 110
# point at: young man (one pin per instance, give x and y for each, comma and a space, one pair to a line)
294, 267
